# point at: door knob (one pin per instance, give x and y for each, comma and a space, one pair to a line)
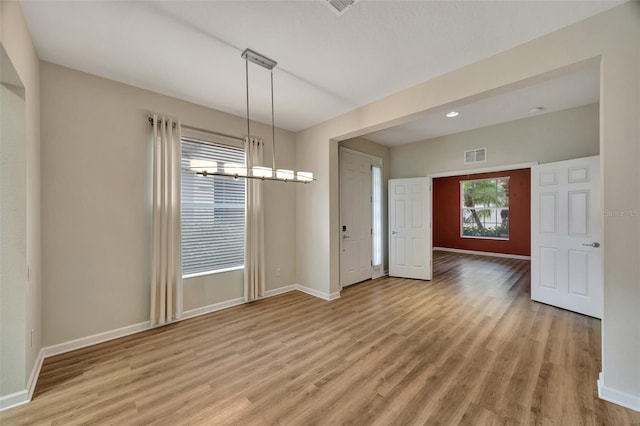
594, 244
394, 232
344, 237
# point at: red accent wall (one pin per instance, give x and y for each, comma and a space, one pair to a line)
446, 214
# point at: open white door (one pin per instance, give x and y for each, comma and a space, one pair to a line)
355, 218
410, 228
566, 252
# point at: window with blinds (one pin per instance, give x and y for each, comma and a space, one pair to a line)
212, 211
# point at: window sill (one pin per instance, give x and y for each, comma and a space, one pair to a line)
484, 238
217, 271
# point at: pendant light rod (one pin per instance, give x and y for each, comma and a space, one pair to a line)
273, 129
258, 59
246, 80
211, 168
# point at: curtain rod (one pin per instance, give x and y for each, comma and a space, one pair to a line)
198, 129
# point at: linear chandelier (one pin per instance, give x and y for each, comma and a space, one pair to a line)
211, 168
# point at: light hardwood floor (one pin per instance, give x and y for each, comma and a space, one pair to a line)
469, 347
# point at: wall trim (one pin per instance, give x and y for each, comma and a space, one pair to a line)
374, 158
203, 310
377, 274
483, 253
143, 326
624, 399
318, 293
280, 290
192, 313
15, 399
24, 396
35, 373
505, 167
94, 339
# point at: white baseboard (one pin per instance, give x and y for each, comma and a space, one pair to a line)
24, 396
35, 372
211, 308
377, 274
617, 397
234, 302
136, 328
318, 293
334, 296
105, 336
281, 290
483, 253
14, 399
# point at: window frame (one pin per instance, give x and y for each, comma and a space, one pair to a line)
194, 136
497, 209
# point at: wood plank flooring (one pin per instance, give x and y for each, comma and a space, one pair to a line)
469, 347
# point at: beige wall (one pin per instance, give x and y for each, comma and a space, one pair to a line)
13, 236
572, 133
613, 39
372, 148
97, 204
16, 40
316, 250
95, 174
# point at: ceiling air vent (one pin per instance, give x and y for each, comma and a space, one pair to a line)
478, 155
339, 6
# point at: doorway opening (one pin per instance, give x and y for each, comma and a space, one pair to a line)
483, 211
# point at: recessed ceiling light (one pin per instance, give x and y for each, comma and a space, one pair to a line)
452, 114
536, 109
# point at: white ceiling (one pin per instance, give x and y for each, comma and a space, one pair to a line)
577, 88
327, 64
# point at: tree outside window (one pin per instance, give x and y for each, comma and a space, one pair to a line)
485, 208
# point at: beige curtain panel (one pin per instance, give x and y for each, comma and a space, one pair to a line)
166, 273
254, 268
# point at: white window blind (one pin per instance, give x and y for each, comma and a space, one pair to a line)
212, 211
376, 200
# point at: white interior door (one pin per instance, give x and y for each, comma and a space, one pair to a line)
410, 228
566, 251
355, 220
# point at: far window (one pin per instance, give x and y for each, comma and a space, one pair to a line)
485, 208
